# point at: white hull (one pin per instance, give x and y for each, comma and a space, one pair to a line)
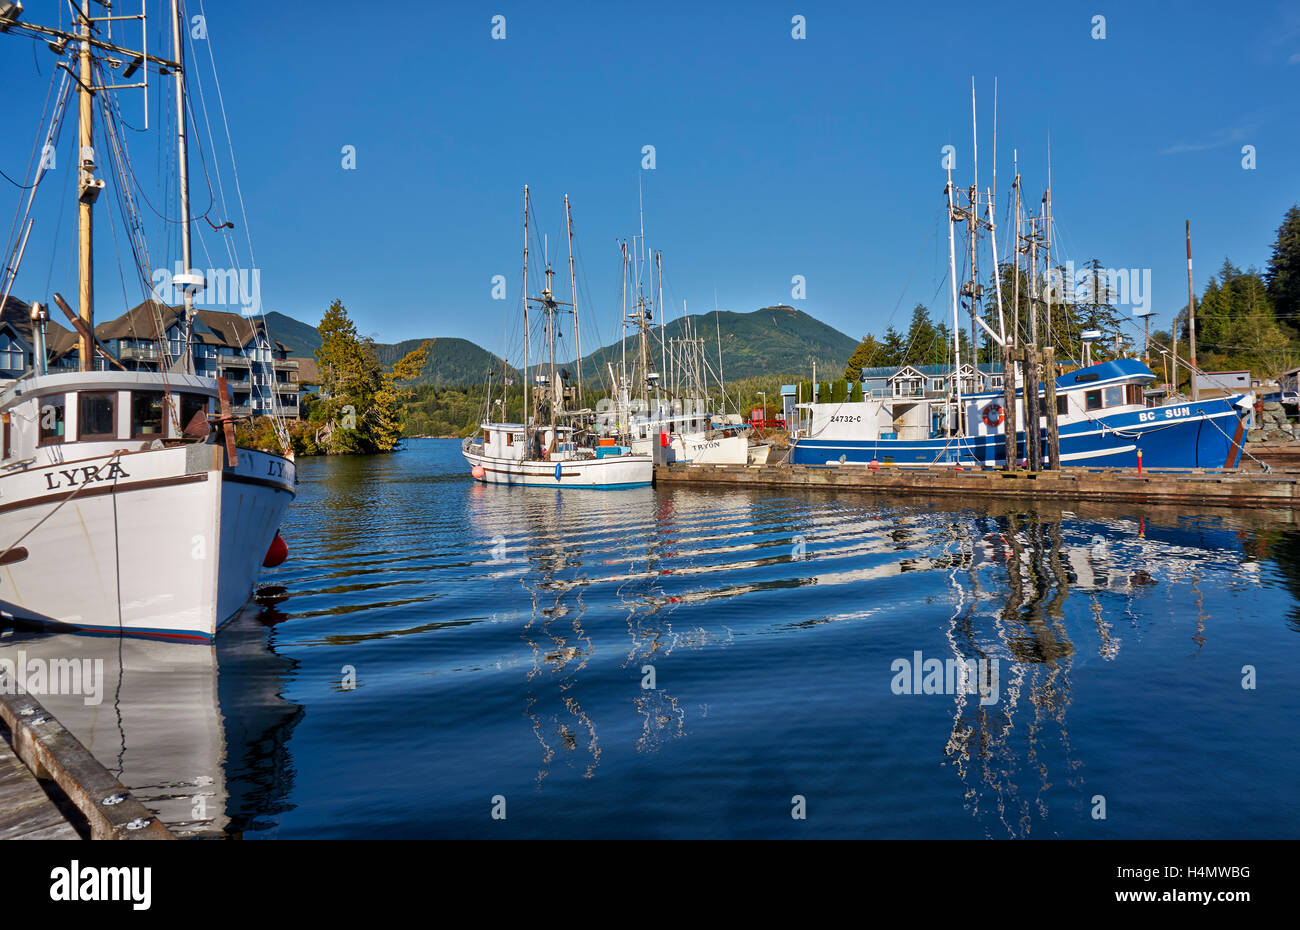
725, 450
164, 542
612, 472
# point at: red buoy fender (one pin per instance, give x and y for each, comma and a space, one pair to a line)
993, 415
278, 552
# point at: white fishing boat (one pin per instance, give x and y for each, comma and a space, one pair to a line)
559, 445
125, 505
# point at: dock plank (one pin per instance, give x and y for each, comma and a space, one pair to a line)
26, 811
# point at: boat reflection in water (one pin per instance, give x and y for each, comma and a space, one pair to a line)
1010, 591
198, 733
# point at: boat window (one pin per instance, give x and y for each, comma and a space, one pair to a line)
1115, 396
4, 425
1134, 392
52, 419
191, 406
97, 415
510, 439
1092, 400
1062, 404
146, 414
1087, 376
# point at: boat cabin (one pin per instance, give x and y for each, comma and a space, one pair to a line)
40, 416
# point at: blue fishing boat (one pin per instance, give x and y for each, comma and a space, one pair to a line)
1102, 415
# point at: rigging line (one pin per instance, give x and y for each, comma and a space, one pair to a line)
21, 187
35, 526
51, 139
281, 428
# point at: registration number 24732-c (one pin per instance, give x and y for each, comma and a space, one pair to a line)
1171, 413
844, 418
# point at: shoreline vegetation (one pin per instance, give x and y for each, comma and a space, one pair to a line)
1244, 319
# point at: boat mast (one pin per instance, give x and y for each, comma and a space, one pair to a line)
524, 293
189, 280
573, 290
88, 189
956, 322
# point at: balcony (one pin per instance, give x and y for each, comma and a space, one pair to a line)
145, 352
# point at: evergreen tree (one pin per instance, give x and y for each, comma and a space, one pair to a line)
864, 356
893, 349
920, 338
360, 405
1283, 275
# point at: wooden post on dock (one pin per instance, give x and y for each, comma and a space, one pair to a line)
1009, 406
1049, 401
1033, 432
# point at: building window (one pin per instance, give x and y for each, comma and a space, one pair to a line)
1092, 400
146, 414
936, 384
12, 357
996, 381
52, 419
97, 415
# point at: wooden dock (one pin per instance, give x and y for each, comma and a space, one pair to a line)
51, 787
1279, 491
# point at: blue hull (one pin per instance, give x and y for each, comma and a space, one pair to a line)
1194, 435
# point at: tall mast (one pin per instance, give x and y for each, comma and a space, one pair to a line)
573, 290
1015, 248
1191, 318
87, 191
524, 295
956, 323
185, 362
972, 231
555, 395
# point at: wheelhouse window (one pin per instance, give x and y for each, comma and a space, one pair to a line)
1134, 394
146, 414
1115, 396
97, 415
1092, 400
1062, 404
8, 438
191, 405
52, 419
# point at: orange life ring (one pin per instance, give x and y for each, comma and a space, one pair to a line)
991, 411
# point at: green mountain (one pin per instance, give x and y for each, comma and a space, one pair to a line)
773, 341
301, 339
451, 361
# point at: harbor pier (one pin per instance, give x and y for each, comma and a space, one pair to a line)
51, 787
1196, 487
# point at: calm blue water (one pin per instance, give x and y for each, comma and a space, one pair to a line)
500, 638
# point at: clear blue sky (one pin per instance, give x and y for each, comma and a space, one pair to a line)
775, 156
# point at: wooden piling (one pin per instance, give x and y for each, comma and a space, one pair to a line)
1033, 416
1049, 402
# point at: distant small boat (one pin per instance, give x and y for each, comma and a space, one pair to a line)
559, 447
